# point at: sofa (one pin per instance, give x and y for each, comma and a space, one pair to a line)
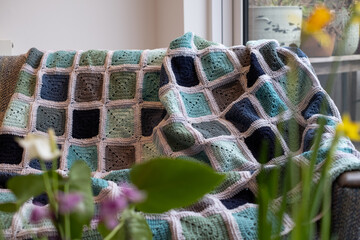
196, 98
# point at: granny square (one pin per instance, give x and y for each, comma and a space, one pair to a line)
227, 93
119, 157
184, 70
216, 64
314, 106
155, 57
60, 59
270, 100
54, 87
17, 114
88, 154
51, 118
88, 87
228, 155
182, 42
178, 137
34, 57
120, 123
122, 85
197, 227
241, 198
85, 123
211, 129
195, 104
26, 83
160, 229
126, 57
271, 56
292, 133
150, 118
151, 86
10, 151
93, 58
201, 43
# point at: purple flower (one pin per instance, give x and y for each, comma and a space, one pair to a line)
68, 202
38, 214
109, 210
131, 193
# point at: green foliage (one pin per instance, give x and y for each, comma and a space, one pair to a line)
172, 183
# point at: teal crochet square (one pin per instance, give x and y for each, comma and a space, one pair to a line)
178, 137
122, 85
155, 57
17, 114
151, 84
6, 218
160, 229
26, 83
247, 221
93, 58
195, 104
119, 176
60, 59
204, 228
270, 100
51, 118
126, 57
97, 185
120, 123
201, 43
216, 64
228, 155
182, 42
87, 154
211, 129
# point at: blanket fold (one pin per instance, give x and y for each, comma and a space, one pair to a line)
197, 98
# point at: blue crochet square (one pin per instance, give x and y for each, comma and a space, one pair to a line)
51, 118
184, 70
54, 87
160, 229
255, 71
195, 104
198, 227
241, 198
270, 100
10, 151
126, 57
242, 114
85, 123
216, 64
314, 106
87, 154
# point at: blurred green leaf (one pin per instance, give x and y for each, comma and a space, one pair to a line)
173, 183
134, 227
8, 207
80, 182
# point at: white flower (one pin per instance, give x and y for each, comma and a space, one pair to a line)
41, 147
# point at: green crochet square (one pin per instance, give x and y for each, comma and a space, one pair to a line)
51, 118
216, 64
160, 229
201, 156
6, 218
151, 84
87, 154
270, 100
26, 83
34, 57
201, 43
247, 221
228, 154
211, 129
271, 57
195, 104
17, 114
170, 102
126, 57
178, 137
296, 88
60, 59
118, 176
231, 178
204, 228
120, 123
182, 42
155, 57
93, 58
122, 85
149, 151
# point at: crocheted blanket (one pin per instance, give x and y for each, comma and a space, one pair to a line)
197, 98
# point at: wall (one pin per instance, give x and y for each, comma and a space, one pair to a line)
78, 24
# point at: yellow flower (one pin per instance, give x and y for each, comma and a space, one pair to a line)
355, 17
319, 18
349, 128
39, 146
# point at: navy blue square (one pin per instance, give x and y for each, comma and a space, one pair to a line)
314, 106
255, 71
35, 163
10, 151
184, 70
243, 197
85, 123
150, 118
54, 87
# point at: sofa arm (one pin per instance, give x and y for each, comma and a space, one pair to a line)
345, 207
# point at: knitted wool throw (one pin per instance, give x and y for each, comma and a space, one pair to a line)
108, 108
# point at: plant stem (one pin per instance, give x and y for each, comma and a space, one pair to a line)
114, 231
67, 216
